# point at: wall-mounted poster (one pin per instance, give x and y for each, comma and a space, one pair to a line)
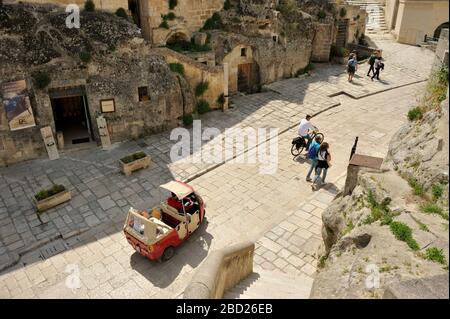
17, 105
108, 106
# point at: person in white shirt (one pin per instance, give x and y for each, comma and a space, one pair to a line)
305, 127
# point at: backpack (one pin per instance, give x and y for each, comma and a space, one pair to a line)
313, 151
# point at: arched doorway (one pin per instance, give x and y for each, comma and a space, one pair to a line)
437, 32
178, 41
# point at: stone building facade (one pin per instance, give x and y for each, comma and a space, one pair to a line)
412, 20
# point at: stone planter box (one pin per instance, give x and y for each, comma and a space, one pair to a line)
52, 201
129, 168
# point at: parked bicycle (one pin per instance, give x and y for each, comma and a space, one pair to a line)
299, 143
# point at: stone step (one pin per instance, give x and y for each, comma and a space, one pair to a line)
271, 285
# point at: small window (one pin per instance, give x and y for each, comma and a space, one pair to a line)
243, 52
275, 38
143, 93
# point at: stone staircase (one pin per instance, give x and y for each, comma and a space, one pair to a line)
376, 22
263, 284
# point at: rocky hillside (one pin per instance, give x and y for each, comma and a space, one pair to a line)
394, 226
35, 34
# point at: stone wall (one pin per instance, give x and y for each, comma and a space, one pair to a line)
196, 72
322, 43
190, 17
221, 271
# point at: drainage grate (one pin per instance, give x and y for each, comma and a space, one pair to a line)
52, 249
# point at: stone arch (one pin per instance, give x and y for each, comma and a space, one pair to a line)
178, 36
437, 31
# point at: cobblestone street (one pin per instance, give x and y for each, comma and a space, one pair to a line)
278, 211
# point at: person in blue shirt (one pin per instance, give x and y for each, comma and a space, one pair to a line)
352, 67
313, 156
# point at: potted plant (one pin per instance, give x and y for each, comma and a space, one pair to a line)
134, 162
51, 197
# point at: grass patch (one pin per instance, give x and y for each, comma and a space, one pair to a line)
177, 68
403, 232
322, 261
183, 46
349, 227
213, 23
203, 107
339, 52
164, 24
201, 88
89, 6
378, 211
122, 13
85, 57
173, 4
46, 193
415, 114
227, 5
436, 255
433, 208
188, 119
133, 157
437, 190
305, 70
417, 188
41, 79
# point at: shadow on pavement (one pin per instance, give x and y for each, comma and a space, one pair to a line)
192, 253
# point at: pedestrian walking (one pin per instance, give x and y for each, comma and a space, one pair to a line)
379, 65
312, 156
371, 62
352, 66
323, 164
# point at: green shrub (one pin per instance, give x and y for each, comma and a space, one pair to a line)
339, 52
170, 16
305, 70
177, 68
89, 6
221, 100
133, 157
173, 4
46, 193
85, 56
188, 119
213, 23
403, 232
436, 255
417, 188
203, 107
122, 13
437, 191
201, 88
343, 12
431, 208
164, 24
227, 5
415, 114
321, 14
191, 46
41, 79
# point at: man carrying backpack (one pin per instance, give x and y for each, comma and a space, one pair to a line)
312, 156
352, 66
372, 59
378, 66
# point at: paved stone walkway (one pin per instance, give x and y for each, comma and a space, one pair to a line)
241, 202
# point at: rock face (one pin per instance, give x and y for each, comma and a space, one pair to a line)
366, 255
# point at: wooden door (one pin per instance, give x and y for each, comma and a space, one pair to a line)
244, 77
